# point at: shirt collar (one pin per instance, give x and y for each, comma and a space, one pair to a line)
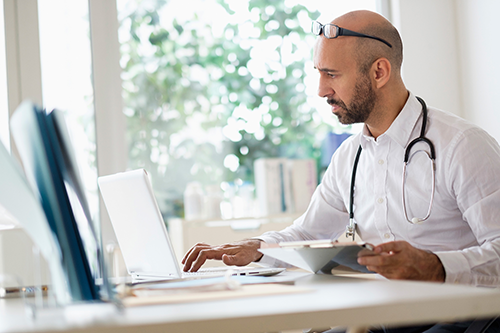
402, 127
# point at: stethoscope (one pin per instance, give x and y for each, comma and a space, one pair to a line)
351, 227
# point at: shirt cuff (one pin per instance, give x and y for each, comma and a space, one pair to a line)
267, 260
456, 267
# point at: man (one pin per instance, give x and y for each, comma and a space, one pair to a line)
459, 242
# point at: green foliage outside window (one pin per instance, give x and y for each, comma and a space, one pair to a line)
203, 102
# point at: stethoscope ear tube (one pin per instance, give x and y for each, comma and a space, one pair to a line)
432, 155
422, 137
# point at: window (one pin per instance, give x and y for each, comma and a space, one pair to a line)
212, 87
4, 108
207, 90
66, 78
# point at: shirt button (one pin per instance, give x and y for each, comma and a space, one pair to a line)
387, 235
380, 200
380, 162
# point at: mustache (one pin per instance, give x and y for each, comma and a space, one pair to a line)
332, 102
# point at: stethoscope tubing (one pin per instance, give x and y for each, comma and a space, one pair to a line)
351, 227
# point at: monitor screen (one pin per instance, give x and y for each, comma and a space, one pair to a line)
46, 152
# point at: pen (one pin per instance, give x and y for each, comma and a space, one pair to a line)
11, 292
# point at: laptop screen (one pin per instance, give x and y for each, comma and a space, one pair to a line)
138, 224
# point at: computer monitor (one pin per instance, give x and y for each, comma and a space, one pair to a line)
47, 155
23, 205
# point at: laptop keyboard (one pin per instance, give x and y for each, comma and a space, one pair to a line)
203, 273
220, 271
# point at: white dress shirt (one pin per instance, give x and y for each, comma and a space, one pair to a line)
464, 225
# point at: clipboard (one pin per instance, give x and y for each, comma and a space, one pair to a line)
321, 256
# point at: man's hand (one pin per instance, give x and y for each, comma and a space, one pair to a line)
400, 260
238, 254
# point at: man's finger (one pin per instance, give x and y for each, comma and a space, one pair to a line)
378, 260
195, 247
228, 259
237, 259
239, 253
186, 255
193, 256
203, 255
388, 247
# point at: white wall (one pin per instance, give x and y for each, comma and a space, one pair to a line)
430, 60
452, 54
478, 26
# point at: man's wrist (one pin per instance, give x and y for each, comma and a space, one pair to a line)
258, 255
439, 272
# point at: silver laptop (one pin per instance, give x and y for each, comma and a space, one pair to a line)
142, 234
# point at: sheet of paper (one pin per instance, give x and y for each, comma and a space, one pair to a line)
194, 283
244, 291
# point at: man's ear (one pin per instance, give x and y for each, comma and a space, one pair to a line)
381, 70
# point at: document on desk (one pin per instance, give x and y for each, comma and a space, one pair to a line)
323, 256
200, 285
217, 288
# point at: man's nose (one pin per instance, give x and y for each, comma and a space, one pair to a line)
324, 89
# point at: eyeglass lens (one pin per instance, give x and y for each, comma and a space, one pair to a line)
328, 30
316, 28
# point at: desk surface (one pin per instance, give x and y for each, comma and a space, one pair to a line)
333, 301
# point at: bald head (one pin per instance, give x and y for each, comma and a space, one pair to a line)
367, 50
360, 76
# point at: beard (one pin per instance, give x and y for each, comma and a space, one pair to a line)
362, 105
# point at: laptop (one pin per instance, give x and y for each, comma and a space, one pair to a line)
142, 235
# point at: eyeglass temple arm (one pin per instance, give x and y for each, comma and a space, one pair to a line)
347, 32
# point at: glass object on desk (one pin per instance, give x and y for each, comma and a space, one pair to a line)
200, 203
244, 202
239, 200
213, 202
194, 201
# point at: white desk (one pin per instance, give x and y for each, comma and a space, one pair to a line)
359, 302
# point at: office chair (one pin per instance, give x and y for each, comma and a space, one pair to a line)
477, 326
480, 325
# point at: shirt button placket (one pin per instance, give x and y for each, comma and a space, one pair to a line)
381, 153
